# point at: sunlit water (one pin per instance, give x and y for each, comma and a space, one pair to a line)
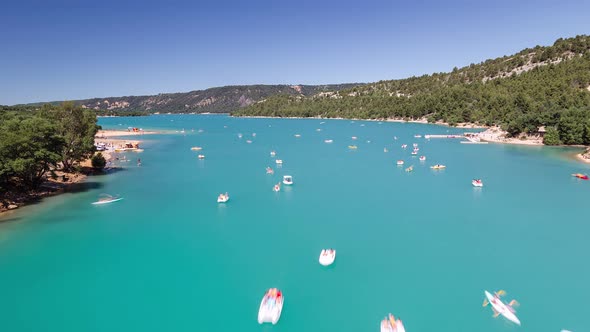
423, 245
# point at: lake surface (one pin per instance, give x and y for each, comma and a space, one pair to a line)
423, 245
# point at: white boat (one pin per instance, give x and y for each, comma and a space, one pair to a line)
414, 153
222, 198
253, 134
384, 149
417, 136
354, 137
249, 141
422, 158
269, 171
277, 187
502, 308
318, 129
272, 153
106, 199
390, 324
201, 156
240, 135
196, 148
415, 145
328, 141
279, 161
297, 135
404, 146
327, 257
400, 162
287, 180
271, 307
438, 166
477, 183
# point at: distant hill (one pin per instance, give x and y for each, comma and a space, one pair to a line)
540, 86
214, 100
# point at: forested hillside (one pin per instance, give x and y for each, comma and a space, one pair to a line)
539, 86
214, 100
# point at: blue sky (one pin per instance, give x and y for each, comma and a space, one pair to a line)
64, 50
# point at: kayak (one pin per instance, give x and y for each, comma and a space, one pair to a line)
502, 308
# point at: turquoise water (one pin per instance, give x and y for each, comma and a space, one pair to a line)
423, 245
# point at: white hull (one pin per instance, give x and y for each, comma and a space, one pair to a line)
328, 259
270, 313
502, 308
287, 180
477, 184
107, 202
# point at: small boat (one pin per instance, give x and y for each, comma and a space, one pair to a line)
318, 129
416, 149
106, 199
253, 134
272, 153
269, 171
415, 145
196, 148
404, 146
248, 141
362, 125
437, 166
327, 257
322, 122
277, 187
271, 307
417, 136
297, 135
500, 307
354, 137
279, 161
201, 156
477, 183
409, 169
240, 135
414, 153
384, 149
287, 180
400, 162
200, 130
581, 176
352, 147
328, 141
222, 198
422, 158
390, 324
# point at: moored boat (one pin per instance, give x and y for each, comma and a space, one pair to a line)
500, 307
287, 180
581, 176
390, 324
279, 161
196, 148
201, 156
271, 307
404, 146
273, 153
352, 147
269, 171
422, 158
477, 183
327, 257
277, 187
328, 141
438, 166
409, 169
400, 162
222, 198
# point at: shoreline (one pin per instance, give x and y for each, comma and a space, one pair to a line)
66, 182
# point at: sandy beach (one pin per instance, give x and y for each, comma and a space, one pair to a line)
497, 135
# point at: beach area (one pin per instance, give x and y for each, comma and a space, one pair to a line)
58, 182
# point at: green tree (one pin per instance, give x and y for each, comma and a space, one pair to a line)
78, 127
28, 149
98, 161
551, 137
